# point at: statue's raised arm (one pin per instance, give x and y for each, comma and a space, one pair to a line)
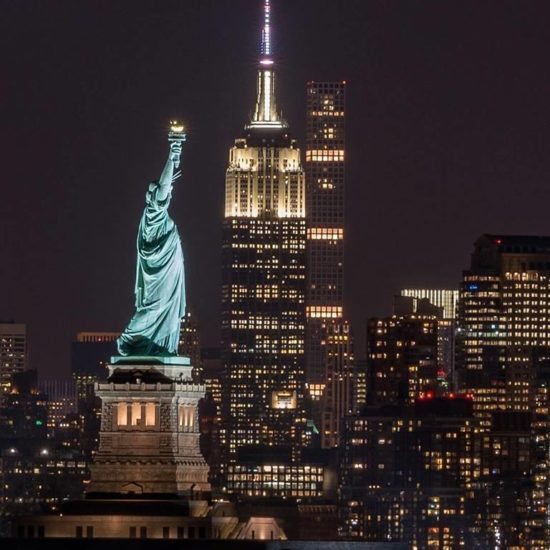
160, 279
169, 176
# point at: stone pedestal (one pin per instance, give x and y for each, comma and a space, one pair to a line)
149, 438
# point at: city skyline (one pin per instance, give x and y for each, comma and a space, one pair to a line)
433, 135
337, 373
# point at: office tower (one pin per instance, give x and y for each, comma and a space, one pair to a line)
503, 319
210, 412
263, 292
337, 398
189, 344
401, 358
503, 352
407, 474
325, 170
62, 400
447, 299
13, 353
89, 355
505, 517
90, 352
213, 373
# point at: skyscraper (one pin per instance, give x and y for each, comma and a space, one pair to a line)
503, 320
420, 300
325, 169
503, 356
406, 474
263, 292
13, 353
189, 344
337, 398
402, 358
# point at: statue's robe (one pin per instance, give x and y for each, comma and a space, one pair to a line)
160, 284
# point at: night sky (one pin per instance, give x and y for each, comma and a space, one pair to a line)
448, 132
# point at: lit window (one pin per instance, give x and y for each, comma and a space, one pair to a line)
122, 414
186, 416
136, 414
150, 414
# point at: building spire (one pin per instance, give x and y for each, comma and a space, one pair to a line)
265, 49
265, 111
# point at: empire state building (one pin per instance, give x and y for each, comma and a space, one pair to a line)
263, 302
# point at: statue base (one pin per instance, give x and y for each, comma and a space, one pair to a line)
149, 438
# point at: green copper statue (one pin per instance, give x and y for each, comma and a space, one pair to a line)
160, 279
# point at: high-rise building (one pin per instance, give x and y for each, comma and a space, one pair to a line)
329, 365
13, 353
62, 400
447, 299
442, 304
401, 358
325, 170
263, 292
337, 398
504, 313
190, 345
503, 348
90, 352
407, 474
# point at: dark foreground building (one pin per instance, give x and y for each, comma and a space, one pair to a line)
407, 474
503, 345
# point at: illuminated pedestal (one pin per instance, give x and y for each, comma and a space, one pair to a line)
149, 438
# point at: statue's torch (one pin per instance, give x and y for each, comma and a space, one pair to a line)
176, 136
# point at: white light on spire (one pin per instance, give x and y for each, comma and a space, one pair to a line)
266, 32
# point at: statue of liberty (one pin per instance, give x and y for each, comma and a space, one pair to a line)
160, 279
